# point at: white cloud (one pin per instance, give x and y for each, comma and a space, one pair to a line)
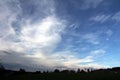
45, 33
98, 52
93, 65
76, 61
100, 18
95, 54
35, 41
70, 59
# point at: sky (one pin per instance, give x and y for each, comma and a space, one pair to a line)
62, 34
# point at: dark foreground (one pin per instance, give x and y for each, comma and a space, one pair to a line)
103, 74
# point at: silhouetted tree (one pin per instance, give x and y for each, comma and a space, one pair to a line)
2, 70
82, 71
22, 71
72, 71
88, 70
116, 69
2, 67
65, 71
45, 72
56, 71
78, 71
37, 72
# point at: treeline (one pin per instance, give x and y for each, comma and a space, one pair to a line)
80, 74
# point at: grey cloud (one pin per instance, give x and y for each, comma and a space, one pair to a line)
16, 60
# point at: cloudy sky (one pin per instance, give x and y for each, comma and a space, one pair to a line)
49, 34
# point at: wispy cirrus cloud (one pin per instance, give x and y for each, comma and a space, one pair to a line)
116, 16
95, 53
91, 38
86, 4
90, 4
100, 18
